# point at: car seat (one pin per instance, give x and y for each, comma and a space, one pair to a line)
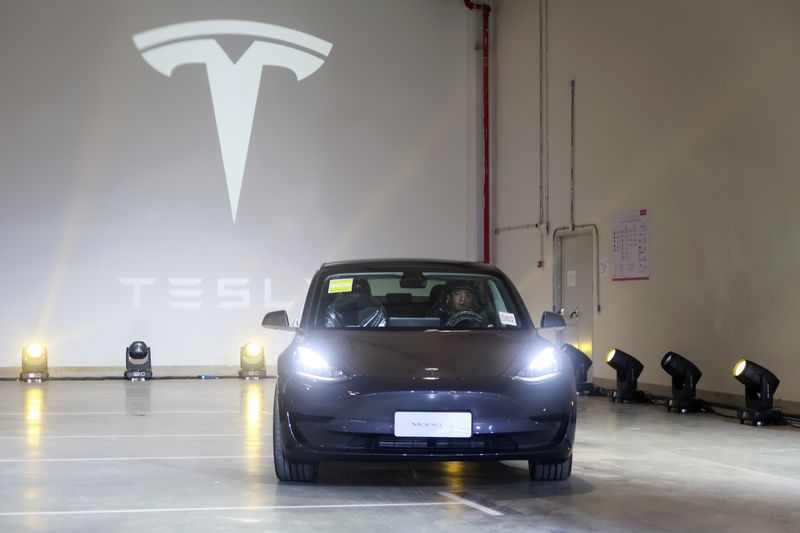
356, 309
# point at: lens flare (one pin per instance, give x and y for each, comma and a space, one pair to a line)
34, 350
253, 349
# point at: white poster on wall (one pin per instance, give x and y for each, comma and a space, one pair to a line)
631, 245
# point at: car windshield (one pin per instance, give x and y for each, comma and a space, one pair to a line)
418, 300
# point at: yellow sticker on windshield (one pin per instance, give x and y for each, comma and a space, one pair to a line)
340, 285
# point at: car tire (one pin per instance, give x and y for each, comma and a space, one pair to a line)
286, 469
549, 471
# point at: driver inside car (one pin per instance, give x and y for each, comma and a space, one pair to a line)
460, 307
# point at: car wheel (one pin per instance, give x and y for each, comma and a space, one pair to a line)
549, 471
285, 469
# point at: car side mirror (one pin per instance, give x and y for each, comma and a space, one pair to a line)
551, 320
277, 320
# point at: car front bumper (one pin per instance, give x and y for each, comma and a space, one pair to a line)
354, 420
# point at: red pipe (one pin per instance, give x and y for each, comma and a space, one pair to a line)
486, 9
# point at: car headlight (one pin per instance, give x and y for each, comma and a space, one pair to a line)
544, 365
312, 365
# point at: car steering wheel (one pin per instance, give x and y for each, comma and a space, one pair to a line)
464, 318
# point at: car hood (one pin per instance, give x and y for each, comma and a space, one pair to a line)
412, 354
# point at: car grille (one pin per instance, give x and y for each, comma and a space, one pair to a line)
475, 444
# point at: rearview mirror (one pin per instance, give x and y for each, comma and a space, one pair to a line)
277, 320
413, 280
551, 320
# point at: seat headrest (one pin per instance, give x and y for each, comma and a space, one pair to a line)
361, 286
353, 300
437, 293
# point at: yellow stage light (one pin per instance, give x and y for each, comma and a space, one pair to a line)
34, 363
252, 361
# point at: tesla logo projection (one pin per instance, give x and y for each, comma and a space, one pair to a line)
190, 293
234, 84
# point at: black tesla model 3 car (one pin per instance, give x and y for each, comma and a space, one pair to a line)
419, 360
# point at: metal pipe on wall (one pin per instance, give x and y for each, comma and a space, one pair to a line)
544, 132
511, 228
544, 117
543, 225
572, 227
572, 154
486, 10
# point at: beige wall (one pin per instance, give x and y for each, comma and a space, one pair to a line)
688, 109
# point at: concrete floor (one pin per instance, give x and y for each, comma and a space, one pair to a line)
191, 455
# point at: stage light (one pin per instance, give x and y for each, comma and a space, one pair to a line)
628, 371
580, 365
137, 362
685, 376
759, 386
252, 361
34, 363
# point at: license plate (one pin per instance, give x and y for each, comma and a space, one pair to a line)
427, 424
